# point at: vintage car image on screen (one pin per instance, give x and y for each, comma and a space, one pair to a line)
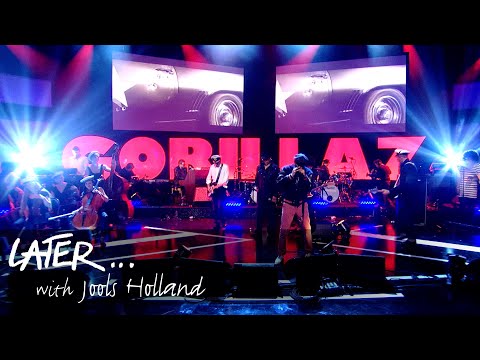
165, 95
370, 95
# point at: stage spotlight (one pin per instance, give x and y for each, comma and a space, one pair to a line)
451, 158
183, 252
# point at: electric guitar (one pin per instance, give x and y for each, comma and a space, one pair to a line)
375, 190
374, 176
211, 188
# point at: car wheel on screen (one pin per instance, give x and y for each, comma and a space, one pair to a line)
386, 106
225, 110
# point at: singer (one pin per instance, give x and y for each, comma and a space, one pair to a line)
295, 183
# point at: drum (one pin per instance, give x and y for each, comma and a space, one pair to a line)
345, 179
330, 183
334, 179
246, 186
330, 193
349, 179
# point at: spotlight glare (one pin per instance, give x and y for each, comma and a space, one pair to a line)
29, 157
452, 159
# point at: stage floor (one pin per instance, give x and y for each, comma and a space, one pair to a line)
416, 279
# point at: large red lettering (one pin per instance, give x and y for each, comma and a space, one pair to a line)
149, 158
195, 151
228, 150
346, 155
410, 143
86, 145
146, 154
288, 147
250, 158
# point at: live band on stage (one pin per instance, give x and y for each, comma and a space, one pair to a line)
88, 195
69, 189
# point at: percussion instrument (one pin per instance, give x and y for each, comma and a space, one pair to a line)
329, 192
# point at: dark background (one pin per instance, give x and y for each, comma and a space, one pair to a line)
86, 105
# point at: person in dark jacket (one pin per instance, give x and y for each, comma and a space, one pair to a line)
295, 183
408, 197
266, 186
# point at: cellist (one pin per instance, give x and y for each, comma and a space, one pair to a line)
91, 213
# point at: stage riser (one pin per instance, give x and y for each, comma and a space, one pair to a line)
188, 212
245, 212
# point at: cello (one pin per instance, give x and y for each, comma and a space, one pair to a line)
86, 218
117, 186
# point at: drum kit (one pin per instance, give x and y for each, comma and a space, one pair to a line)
338, 186
244, 190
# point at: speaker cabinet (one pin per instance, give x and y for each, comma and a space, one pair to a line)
362, 270
255, 280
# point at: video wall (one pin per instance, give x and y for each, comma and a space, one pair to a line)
352, 96
156, 94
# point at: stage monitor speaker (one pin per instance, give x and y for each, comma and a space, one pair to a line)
311, 272
47, 290
472, 274
362, 270
324, 230
255, 280
210, 278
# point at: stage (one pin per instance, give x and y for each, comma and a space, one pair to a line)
367, 273
203, 209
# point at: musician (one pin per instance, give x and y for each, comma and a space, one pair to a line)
408, 198
10, 196
380, 175
97, 198
10, 192
179, 172
266, 186
36, 203
467, 184
78, 161
67, 194
127, 172
295, 183
94, 168
323, 172
179, 175
217, 183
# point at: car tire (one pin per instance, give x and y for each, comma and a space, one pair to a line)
225, 110
385, 106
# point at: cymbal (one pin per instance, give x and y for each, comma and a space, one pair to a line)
343, 167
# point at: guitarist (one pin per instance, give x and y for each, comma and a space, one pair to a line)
217, 181
380, 175
408, 198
